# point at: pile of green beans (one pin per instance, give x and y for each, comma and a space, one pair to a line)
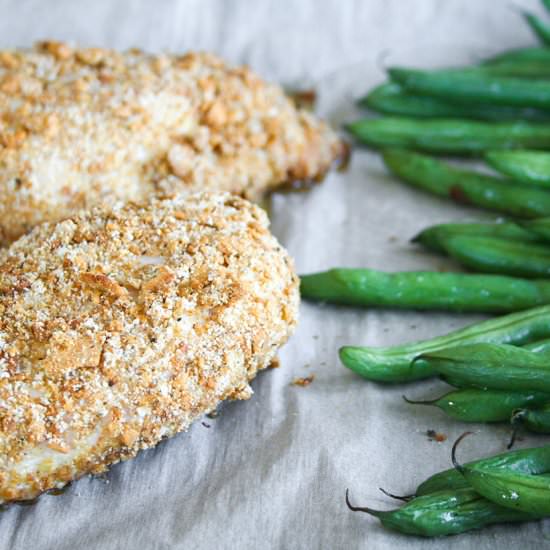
497, 111
474, 495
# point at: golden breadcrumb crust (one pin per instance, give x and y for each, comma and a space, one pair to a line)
120, 327
80, 127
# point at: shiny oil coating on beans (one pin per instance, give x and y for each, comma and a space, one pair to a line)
119, 328
83, 126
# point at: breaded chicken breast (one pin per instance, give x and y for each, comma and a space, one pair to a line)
120, 327
79, 127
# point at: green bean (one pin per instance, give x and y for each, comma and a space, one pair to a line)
520, 55
538, 26
467, 187
474, 85
455, 382
530, 167
536, 69
433, 237
494, 255
390, 98
494, 366
518, 491
444, 513
394, 364
534, 461
540, 227
533, 419
478, 405
426, 290
540, 346
462, 405
449, 135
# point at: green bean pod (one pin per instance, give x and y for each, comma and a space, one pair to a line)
425, 290
395, 363
467, 187
474, 85
540, 227
530, 167
519, 491
540, 346
534, 461
538, 26
535, 69
520, 55
450, 135
493, 366
390, 98
494, 255
533, 419
434, 237
479, 405
444, 513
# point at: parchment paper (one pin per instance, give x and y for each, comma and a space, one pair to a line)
271, 472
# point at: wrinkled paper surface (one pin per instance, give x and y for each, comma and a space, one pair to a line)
271, 472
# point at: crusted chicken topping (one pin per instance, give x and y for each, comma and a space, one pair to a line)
79, 127
120, 326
